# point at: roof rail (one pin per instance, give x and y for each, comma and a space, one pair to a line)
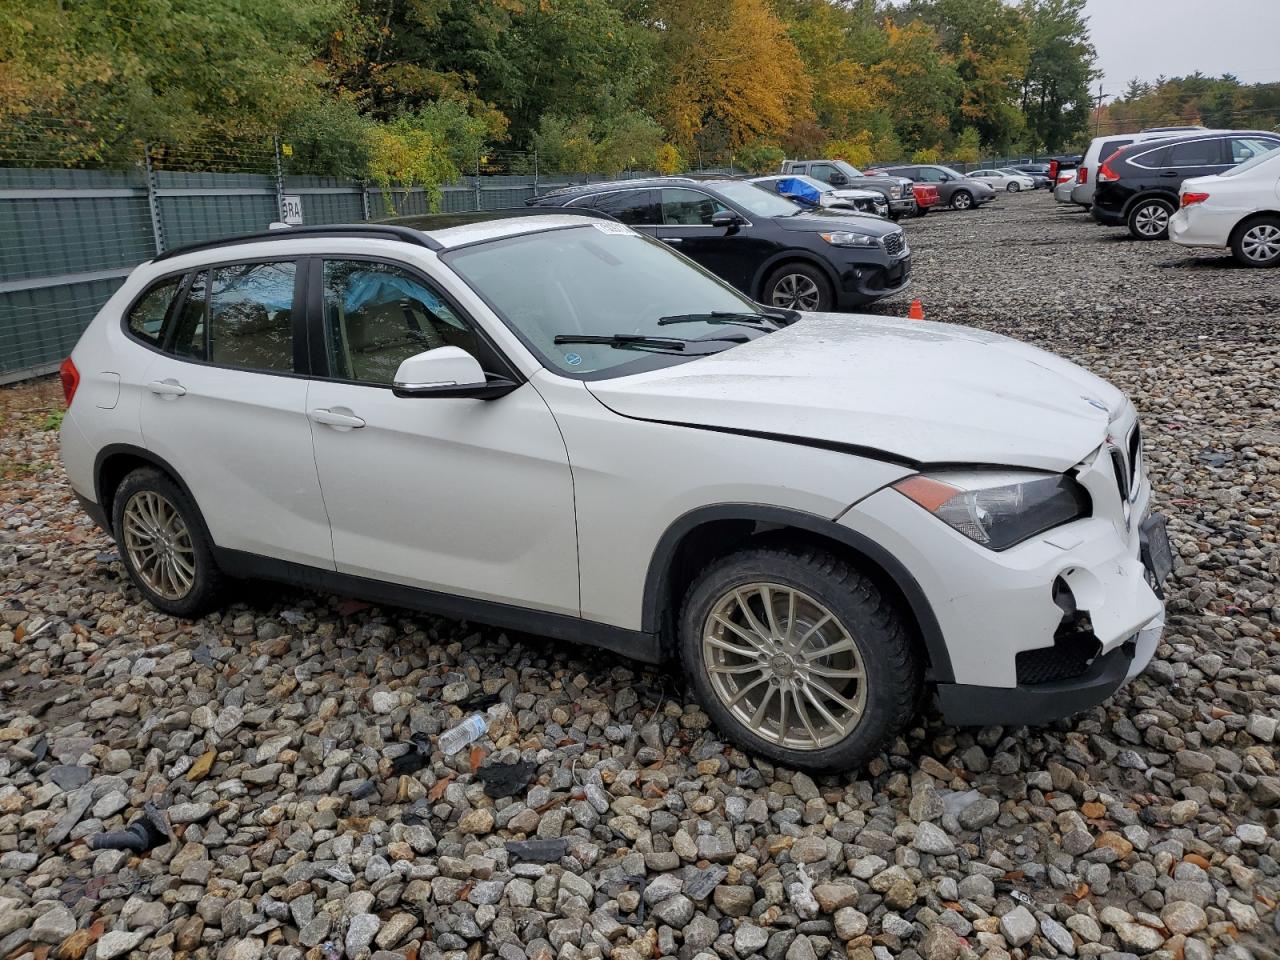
371, 231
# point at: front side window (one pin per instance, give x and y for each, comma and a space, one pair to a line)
1196, 153
1246, 148
928, 175
753, 200
600, 279
631, 206
689, 207
822, 171
378, 315
146, 319
250, 318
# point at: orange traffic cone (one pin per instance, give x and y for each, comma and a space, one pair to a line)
916, 312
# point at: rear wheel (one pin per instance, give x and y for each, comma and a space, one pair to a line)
1149, 219
798, 657
1256, 242
961, 200
798, 286
163, 544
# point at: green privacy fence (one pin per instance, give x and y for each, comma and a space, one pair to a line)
68, 238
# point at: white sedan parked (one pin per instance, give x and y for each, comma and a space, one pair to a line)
557, 425
1238, 209
1004, 180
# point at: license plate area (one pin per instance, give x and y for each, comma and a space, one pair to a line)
1157, 555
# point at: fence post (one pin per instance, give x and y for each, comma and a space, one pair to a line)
535, 173
153, 200
279, 179
476, 183
364, 199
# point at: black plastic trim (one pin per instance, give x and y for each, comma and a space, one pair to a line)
140, 453
657, 578
367, 231
636, 644
971, 705
95, 512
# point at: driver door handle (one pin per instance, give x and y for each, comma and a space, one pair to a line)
672, 239
332, 418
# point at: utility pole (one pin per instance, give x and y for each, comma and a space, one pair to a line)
1097, 111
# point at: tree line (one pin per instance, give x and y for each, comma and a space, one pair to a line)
420, 89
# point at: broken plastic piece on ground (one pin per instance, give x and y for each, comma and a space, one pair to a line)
465, 733
538, 851
145, 833
506, 779
419, 756
480, 701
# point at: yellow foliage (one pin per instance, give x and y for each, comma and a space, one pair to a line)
668, 160
856, 150
407, 157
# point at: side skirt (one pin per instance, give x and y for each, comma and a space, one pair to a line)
636, 644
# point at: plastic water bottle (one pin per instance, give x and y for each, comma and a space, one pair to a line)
468, 731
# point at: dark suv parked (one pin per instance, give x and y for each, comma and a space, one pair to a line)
955, 190
1138, 185
770, 248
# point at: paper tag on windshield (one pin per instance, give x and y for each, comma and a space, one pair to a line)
609, 226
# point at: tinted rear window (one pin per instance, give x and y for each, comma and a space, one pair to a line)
1196, 153
146, 319
1110, 147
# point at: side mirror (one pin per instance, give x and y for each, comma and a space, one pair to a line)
447, 372
838, 179
725, 218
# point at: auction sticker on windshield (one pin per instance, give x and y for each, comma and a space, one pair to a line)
608, 226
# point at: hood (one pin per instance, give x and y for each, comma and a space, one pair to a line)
829, 221
980, 184
914, 391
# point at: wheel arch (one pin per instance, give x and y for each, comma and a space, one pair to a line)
1150, 193
707, 532
116, 461
1249, 218
792, 254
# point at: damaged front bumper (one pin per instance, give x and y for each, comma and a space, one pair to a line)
1045, 629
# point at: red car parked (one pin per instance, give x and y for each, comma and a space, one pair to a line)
926, 197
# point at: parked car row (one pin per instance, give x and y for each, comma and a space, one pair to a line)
1148, 182
773, 249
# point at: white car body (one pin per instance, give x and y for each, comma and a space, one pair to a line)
556, 508
1003, 180
1235, 197
1066, 183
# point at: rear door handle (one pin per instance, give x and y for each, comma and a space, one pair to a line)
672, 239
335, 418
1170, 173
167, 388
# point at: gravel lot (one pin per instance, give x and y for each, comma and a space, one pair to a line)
1148, 826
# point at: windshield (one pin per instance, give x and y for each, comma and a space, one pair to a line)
1271, 155
600, 279
754, 200
954, 173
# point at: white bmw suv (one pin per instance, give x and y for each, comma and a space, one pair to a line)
551, 423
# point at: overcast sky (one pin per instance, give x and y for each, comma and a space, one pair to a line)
1147, 38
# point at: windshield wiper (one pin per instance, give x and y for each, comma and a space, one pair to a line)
753, 320
623, 341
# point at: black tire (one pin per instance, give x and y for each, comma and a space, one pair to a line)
1014, 186
962, 200
892, 665
800, 275
1149, 219
1250, 240
921, 211
208, 581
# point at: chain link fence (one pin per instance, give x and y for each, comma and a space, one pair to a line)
78, 212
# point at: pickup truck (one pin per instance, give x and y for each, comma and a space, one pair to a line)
896, 190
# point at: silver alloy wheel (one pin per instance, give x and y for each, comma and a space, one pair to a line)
1261, 242
961, 201
795, 291
1151, 220
159, 544
784, 666
1014, 186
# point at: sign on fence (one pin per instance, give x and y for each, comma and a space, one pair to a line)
291, 209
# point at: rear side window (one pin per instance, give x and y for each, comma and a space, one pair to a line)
636, 207
1196, 153
251, 316
146, 319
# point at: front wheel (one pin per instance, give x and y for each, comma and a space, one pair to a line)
962, 200
1014, 186
798, 657
798, 286
921, 211
164, 546
1149, 219
1256, 243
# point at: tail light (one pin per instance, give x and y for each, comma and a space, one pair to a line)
1189, 198
1053, 170
70, 378
1082, 175
1106, 174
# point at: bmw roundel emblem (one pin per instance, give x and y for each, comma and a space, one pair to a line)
572, 359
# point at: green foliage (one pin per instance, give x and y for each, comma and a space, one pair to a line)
1056, 101
1212, 101
760, 157
54, 420
629, 141
328, 137
968, 147
926, 155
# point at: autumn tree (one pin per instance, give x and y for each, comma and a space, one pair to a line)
1056, 100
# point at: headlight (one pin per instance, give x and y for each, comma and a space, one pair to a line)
998, 509
849, 239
